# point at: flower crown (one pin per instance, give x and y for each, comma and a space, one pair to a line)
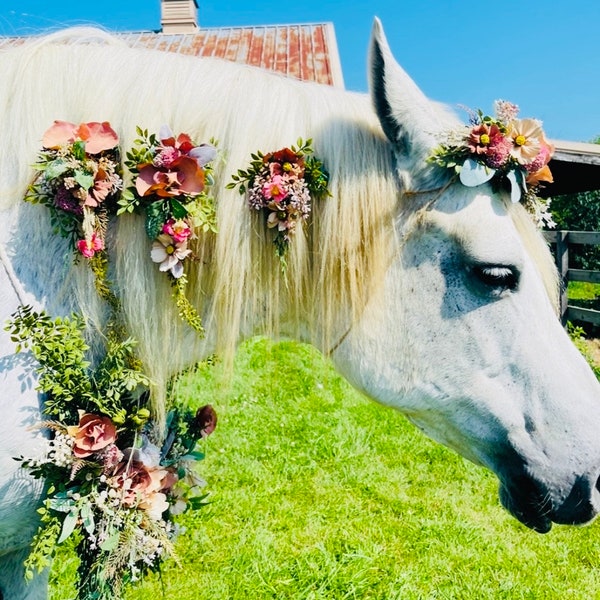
504, 150
282, 184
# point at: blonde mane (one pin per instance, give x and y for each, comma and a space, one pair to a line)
236, 282
335, 262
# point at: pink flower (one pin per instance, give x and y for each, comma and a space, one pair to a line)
97, 136
92, 434
498, 152
166, 157
132, 478
482, 137
178, 229
100, 190
89, 247
275, 188
505, 111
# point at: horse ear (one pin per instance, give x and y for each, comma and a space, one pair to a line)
408, 118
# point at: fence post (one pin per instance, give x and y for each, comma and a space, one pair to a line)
562, 262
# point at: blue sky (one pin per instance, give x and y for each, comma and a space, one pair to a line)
541, 54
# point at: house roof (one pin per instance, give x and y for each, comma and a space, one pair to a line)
575, 167
305, 51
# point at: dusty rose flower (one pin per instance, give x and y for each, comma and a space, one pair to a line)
102, 187
97, 136
132, 478
92, 434
184, 176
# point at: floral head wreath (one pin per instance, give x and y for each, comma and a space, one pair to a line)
503, 150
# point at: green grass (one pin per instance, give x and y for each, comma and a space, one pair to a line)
318, 493
583, 290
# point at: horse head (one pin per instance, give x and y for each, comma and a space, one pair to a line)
463, 336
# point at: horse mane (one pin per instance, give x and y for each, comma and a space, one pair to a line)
336, 261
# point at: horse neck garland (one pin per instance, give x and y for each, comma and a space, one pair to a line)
504, 150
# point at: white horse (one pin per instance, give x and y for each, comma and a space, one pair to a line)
431, 297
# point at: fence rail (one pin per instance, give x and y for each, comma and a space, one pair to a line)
563, 240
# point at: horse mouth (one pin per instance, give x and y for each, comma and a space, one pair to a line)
531, 504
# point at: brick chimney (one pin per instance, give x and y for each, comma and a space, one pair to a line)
179, 16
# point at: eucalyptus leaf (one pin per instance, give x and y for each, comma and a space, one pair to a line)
473, 173
516, 179
87, 517
85, 180
68, 525
111, 542
56, 168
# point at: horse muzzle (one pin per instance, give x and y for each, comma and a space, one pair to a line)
534, 504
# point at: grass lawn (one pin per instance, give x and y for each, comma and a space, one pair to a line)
318, 493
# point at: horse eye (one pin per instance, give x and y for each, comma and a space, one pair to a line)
497, 277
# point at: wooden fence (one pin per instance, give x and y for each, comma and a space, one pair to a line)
563, 240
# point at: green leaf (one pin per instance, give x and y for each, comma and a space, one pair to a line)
85, 180
156, 216
69, 525
56, 168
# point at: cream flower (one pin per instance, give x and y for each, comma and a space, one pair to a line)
169, 254
527, 135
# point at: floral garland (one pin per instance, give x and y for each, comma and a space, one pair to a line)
79, 180
504, 150
282, 184
171, 176
111, 488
